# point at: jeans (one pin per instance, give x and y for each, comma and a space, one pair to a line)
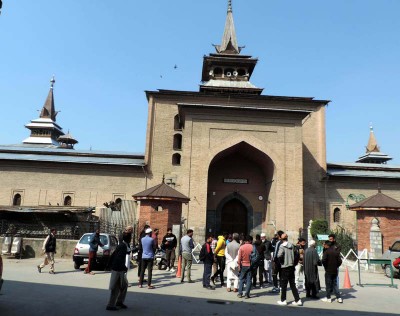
331, 285
245, 277
207, 274
287, 275
146, 264
221, 268
170, 256
186, 263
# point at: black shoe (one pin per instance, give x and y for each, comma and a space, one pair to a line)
213, 280
122, 305
182, 281
111, 308
315, 297
247, 297
190, 281
210, 288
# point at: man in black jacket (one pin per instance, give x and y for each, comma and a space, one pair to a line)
207, 256
169, 243
118, 280
331, 261
49, 248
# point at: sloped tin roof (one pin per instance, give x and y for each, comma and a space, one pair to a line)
377, 202
161, 192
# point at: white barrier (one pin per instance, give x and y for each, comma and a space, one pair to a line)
353, 264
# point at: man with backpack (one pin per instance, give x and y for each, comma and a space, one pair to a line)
288, 256
207, 256
244, 263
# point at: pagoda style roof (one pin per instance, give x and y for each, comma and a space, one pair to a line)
48, 110
161, 192
377, 202
373, 153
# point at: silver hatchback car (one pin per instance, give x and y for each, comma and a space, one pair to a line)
392, 254
81, 252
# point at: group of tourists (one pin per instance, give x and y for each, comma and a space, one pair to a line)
276, 262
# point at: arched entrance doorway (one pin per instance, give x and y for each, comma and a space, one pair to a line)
234, 217
239, 184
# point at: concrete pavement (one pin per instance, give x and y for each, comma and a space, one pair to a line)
70, 292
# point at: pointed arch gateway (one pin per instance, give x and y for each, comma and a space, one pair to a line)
239, 184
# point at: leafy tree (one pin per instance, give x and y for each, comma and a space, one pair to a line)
319, 226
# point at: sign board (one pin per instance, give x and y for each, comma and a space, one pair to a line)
236, 181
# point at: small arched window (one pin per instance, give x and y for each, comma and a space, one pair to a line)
177, 142
177, 123
17, 199
336, 215
67, 201
176, 159
159, 208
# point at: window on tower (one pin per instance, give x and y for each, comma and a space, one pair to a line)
177, 145
176, 159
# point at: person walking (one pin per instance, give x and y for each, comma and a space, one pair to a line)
49, 248
244, 266
231, 256
187, 247
94, 243
331, 261
220, 257
259, 266
169, 243
299, 269
118, 279
267, 258
276, 265
311, 262
207, 256
286, 255
148, 245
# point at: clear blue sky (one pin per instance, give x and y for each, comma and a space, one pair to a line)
105, 54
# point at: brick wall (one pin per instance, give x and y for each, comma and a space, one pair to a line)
389, 223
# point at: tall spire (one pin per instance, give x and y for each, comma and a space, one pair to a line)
229, 43
372, 143
48, 110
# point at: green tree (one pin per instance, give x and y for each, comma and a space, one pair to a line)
319, 226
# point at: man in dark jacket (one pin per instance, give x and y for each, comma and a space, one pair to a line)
276, 265
169, 243
267, 258
94, 243
207, 257
331, 261
118, 280
259, 267
49, 248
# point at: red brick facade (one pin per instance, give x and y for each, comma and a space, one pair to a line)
170, 214
389, 223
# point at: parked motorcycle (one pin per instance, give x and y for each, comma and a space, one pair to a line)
160, 258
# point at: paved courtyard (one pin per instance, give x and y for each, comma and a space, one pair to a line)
70, 292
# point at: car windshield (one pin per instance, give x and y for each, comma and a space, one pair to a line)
86, 239
396, 246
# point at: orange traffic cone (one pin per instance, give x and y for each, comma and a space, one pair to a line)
179, 271
346, 284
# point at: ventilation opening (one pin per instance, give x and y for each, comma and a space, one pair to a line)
17, 199
176, 159
177, 142
177, 123
67, 201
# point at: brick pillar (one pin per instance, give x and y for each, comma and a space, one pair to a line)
375, 241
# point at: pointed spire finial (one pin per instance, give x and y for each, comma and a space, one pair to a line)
52, 82
372, 143
163, 178
229, 5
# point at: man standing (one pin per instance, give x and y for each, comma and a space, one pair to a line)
286, 256
94, 243
49, 248
169, 243
220, 256
244, 266
186, 250
139, 256
155, 236
259, 266
231, 253
311, 262
148, 245
267, 258
299, 270
276, 265
331, 261
207, 256
118, 280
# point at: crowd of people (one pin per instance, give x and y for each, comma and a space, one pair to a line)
249, 263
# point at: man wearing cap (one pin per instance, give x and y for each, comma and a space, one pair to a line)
148, 246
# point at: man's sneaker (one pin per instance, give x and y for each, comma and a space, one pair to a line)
282, 303
122, 305
339, 300
326, 300
298, 303
172, 270
167, 269
52, 272
275, 290
39, 269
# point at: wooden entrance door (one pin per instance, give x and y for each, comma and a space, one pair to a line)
234, 217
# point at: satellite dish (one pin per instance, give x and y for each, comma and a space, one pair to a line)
235, 73
228, 74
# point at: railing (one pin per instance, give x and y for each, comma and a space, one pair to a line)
352, 259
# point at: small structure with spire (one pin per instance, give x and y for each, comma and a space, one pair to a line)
227, 71
373, 153
67, 141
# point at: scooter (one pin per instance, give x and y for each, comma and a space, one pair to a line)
160, 259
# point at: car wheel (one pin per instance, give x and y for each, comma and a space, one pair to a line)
77, 265
388, 273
